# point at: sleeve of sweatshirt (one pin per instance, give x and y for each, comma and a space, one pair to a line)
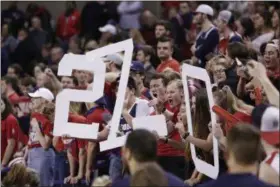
130, 7
209, 45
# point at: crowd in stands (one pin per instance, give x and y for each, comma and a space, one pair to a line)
237, 43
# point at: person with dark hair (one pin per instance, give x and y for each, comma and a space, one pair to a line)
13, 16
11, 134
164, 52
144, 55
243, 155
39, 68
15, 70
101, 12
208, 39
141, 148
137, 73
262, 23
10, 88
9, 41
245, 27
69, 82
26, 51
235, 50
275, 23
68, 22
56, 54
226, 27
133, 107
163, 29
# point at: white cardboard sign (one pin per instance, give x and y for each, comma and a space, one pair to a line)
201, 74
151, 123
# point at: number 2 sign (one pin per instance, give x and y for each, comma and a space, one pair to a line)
92, 62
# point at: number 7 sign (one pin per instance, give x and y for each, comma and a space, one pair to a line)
201, 74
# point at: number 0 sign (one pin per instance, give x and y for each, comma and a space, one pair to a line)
201, 74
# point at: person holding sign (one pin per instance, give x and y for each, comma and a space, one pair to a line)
40, 154
133, 107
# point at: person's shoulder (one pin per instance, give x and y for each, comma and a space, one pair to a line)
174, 180
11, 118
121, 182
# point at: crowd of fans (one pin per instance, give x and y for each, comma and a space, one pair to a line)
236, 42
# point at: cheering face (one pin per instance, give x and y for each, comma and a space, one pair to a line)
3, 106
219, 73
157, 87
173, 95
164, 50
271, 57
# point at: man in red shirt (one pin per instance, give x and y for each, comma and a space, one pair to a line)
41, 156
8, 86
164, 52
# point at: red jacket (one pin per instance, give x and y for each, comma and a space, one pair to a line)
68, 26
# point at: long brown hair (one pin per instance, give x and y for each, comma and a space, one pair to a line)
8, 108
201, 119
17, 176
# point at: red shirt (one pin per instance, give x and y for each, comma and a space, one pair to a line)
46, 128
13, 98
242, 117
168, 150
68, 26
173, 64
9, 130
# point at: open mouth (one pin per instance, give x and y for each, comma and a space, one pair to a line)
155, 94
170, 101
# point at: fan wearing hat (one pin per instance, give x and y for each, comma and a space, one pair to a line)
107, 32
137, 72
226, 27
208, 39
266, 118
40, 156
133, 107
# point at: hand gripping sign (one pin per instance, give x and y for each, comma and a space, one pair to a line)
92, 62
201, 74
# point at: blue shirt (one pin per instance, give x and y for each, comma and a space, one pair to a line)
172, 181
236, 180
206, 43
